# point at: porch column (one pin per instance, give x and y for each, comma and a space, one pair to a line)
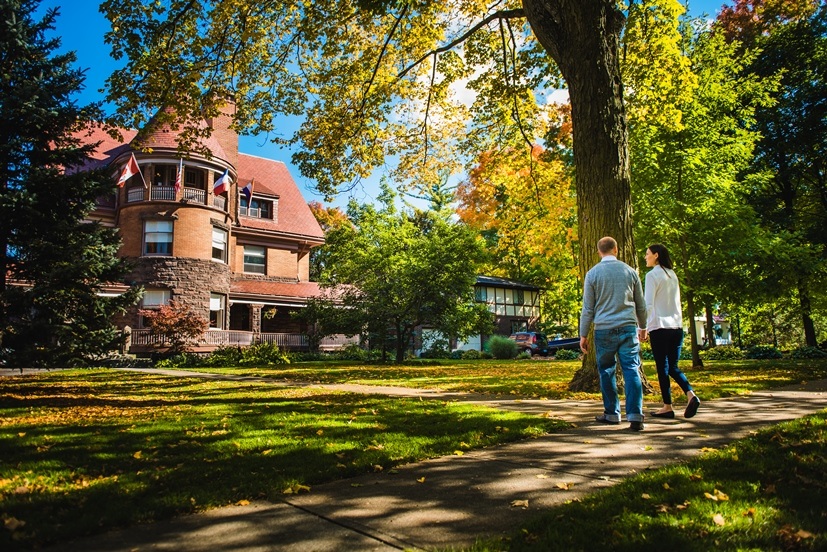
255, 318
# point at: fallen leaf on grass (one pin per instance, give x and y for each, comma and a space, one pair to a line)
421, 480
719, 520
750, 513
268, 451
13, 524
137, 455
666, 486
242, 503
377, 468
717, 496
645, 496
296, 489
519, 504
458, 452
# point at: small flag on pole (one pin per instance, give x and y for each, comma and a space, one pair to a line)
248, 191
130, 169
222, 184
179, 176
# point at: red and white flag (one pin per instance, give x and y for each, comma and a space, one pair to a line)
130, 169
179, 177
222, 184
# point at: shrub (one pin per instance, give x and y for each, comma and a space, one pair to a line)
457, 354
501, 347
182, 360
263, 354
807, 352
471, 354
224, 357
524, 355
723, 352
763, 352
485, 355
566, 354
176, 324
436, 350
353, 352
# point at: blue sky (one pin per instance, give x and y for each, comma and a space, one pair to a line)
81, 28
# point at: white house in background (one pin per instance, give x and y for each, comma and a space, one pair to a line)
515, 306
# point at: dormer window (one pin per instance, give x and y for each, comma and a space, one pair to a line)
257, 207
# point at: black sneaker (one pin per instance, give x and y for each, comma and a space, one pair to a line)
605, 420
636, 426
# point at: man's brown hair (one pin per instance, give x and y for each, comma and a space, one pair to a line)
606, 245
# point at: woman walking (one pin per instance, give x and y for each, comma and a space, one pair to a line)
664, 325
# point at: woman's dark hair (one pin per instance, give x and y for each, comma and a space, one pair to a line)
664, 260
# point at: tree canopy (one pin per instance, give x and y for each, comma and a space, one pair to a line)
393, 271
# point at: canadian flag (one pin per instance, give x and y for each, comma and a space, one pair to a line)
130, 169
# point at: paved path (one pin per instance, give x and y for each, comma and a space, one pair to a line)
463, 497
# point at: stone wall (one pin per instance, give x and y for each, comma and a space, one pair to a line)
190, 282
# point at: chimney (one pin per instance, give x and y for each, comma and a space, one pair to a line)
223, 133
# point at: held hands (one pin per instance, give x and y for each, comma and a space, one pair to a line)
642, 334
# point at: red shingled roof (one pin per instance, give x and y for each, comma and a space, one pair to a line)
109, 148
272, 178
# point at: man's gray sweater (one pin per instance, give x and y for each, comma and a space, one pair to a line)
612, 297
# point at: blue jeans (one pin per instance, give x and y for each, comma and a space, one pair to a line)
666, 350
623, 343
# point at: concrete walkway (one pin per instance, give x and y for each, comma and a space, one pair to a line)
451, 501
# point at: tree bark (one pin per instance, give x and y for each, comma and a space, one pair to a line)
710, 327
583, 37
693, 330
806, 314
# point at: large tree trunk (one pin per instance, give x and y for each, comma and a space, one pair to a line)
693, 330
710, 326
583, 37
806, 314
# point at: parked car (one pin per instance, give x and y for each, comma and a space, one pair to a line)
571, 343
533, 343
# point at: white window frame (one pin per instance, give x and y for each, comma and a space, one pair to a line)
218, 304
219, 244
154, 228
263, 256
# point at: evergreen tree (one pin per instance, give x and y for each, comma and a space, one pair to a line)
53, 262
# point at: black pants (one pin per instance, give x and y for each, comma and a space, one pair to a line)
666, 348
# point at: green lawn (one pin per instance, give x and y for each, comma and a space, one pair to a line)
541, 378
84, 451
763, 493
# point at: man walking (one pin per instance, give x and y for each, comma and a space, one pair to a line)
613, 301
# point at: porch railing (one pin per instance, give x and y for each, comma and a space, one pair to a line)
195, 194
162, 193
